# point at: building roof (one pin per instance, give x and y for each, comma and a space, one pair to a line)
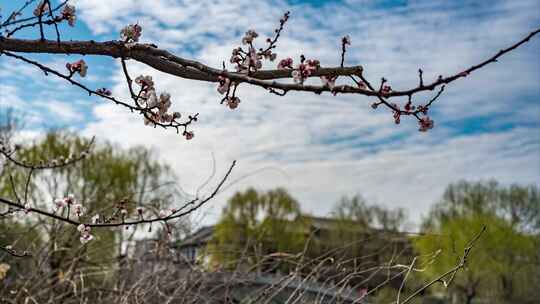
199, 237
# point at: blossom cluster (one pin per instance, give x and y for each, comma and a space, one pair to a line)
285, 64
157, 108
386, 89
70, 202
251, 59
329, 81
247, 60
79, 67
224, 85
85, 233
131, 33
304, 69
232, 102
162, 104
68, 13
425, 124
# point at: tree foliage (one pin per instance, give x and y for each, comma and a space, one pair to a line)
504, 266
359, 211
108, 177
254, 224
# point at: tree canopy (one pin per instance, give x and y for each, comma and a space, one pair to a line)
254, 224
504, 264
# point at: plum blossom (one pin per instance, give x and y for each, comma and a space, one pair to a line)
269, 55
41, 8
85, 233
69, 200
254, 59
27, 208
151, 99
77, 67
78, 209
397, 114
145, 82
386, 89
59, 203
164, 103
104, 91
232, 102
224, 84
249, 37
329, 81
68, 13
285, 64
81, 228
131, 33
235, 55
409, 106
425, 124
95, 219
422, 109
304, 70
188, 134
251, 60
164, 213
86, 237
149, 96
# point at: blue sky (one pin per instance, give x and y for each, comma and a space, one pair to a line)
319, 147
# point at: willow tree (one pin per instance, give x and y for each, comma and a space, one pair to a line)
506, 261
254, 225
111, 184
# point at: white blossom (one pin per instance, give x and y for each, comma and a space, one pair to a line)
131, 33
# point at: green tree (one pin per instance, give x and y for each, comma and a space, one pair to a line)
364, 236
503, 266
254, 224
520, 205
359, 211
107, 177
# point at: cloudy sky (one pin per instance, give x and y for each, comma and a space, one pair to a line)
318, 147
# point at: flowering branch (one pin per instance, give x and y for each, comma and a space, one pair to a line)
59, 162
189, 69
84, 228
